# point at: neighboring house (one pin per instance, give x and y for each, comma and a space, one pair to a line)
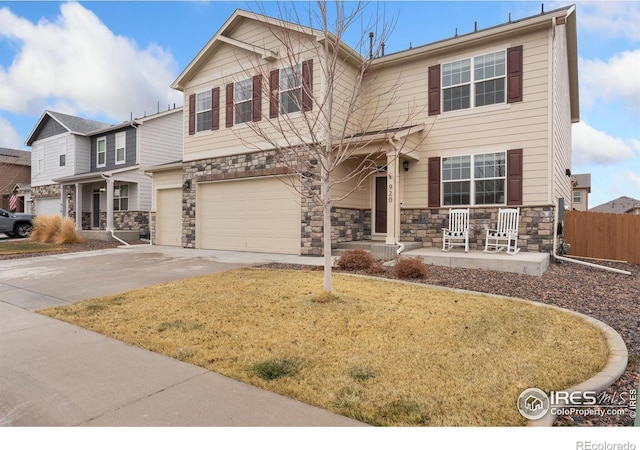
581, 190
493, 130
621, 205
94, 172
15, 169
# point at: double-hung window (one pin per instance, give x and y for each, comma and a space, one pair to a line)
101, 152
203, 111
121, 148
474, 82
243, 100
577, 196
290, 89
121, 198
474, 179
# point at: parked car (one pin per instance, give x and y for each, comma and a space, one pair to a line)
16, 225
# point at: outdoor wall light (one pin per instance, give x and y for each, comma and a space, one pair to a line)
567, 172
69, 196
406, 166
103, 189
186, 185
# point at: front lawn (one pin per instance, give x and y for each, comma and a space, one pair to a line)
24, 247
385, 353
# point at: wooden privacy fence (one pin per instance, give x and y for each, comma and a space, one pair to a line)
603, 235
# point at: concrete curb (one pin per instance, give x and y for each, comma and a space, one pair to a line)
618, 354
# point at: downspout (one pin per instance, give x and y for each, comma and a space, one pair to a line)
397, 242
562, 258
110, 230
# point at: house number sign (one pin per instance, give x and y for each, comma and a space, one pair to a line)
390, 190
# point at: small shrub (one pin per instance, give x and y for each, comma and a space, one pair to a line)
67, 233
357, 259
361, 373
272, 369
410, 269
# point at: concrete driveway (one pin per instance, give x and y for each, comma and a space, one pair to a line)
53, 373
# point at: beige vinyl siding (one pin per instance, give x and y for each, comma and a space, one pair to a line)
355, 196
169, 217
229, 64
561, 118
477, 130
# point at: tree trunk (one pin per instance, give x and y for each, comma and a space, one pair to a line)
326, 230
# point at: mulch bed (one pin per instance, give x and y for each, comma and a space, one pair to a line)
607, 296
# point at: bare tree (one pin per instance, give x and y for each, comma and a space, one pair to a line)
343, 134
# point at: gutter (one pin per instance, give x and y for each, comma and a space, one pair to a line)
584, 263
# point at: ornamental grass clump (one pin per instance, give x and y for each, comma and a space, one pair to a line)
53, 229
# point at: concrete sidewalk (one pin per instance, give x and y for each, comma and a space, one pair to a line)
56, 374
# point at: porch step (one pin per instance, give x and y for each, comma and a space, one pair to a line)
379, 250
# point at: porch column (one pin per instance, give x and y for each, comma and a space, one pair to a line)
109, 204
78, 206
393, 205
63, 202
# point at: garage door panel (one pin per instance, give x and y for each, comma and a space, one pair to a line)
169, 217
48, 206
260, 214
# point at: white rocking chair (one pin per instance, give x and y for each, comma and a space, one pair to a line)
506, 233
458, 232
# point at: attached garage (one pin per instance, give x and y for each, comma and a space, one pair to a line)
259, 214
169, 217
48, 206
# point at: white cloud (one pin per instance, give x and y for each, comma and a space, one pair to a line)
76, 61
595, 146
9, 137
614, 19
628, 182
612, 80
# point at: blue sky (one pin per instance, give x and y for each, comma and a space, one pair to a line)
109, 60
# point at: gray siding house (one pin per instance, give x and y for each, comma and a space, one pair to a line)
99, 180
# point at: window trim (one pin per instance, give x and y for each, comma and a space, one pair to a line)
297, 69
119, 198
62, 154
249, 101
207, 126
124, 148
473, 82
472, 179
579, 192
104, 151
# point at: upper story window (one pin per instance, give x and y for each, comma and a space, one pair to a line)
101, 152
203, 111
474, 179
242, 100
474, 82
577, 196
62, 154
121, 147
290, 89
40, 157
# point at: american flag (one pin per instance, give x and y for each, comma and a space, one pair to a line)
13, 202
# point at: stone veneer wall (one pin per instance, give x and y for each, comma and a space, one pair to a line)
349, 224
425, 225
130, 220
46, 191
249, 165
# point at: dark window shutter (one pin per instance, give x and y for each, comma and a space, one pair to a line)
307, 85
434, 90
256, 102
434, 182
514, 177
192, 114
514, 74
229, 106
215, 108
274, 93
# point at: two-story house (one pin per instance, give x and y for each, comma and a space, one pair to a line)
491, 128
15, 174
581, 183
94, 172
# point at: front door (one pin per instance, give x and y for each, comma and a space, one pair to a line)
381, 205
96, 210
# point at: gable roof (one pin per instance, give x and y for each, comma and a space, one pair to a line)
73, 124
15, 157
620, 205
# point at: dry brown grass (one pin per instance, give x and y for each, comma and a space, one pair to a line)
381, 352
54, 229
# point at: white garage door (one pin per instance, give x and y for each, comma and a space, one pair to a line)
48, 206
169, 217
257, 214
